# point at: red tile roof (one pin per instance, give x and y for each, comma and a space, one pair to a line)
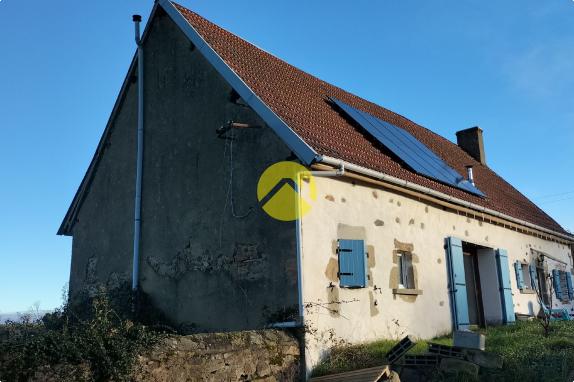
299, 99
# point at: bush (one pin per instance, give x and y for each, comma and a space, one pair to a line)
101, 341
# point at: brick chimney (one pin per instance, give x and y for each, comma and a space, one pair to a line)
470, 140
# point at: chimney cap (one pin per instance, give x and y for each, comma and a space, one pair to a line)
137, 18
471, 141
469, 130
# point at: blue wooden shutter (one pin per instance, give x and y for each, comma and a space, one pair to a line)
569, 285
533, 277
504, 284
352, 264
457, 283
519, 275
556, 282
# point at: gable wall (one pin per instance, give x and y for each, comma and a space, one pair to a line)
389, 222
204, 267
200, 265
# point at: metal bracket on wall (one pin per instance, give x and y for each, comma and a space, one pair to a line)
234, 125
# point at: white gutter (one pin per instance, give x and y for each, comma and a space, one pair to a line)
139, 157
425, 190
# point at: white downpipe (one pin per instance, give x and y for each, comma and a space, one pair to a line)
139, 157
298, 231
425, 190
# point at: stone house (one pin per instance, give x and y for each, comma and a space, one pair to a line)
405, 231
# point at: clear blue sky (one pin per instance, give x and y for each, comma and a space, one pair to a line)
507, 66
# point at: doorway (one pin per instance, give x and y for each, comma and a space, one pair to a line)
473, 285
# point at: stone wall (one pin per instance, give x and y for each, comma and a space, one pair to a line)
267, 355
264, 355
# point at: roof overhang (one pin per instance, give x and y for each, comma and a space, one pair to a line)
567, 238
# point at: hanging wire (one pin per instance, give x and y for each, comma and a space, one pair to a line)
229, 192
230, 186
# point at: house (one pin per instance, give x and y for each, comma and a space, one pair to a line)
393, 228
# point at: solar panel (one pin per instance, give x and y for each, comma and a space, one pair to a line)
409, 149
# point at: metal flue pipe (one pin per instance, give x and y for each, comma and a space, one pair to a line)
139, 157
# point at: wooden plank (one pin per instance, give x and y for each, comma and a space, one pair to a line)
372, 374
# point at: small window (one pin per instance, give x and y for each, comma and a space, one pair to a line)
523, 277
406, 274
562, 282
566, 286
352, 264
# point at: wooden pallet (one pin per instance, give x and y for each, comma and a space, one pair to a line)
372, 374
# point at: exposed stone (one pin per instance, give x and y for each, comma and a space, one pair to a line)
247, 263
268, 355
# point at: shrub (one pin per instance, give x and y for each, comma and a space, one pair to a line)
100, 340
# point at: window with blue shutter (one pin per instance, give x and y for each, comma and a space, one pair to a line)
556, 283
457, 283
504, 284
569, 285
519, 275
352, 264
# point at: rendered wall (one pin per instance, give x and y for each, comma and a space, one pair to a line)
102, 244
207, 263
389, 222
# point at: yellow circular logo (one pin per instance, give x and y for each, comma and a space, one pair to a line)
281, 193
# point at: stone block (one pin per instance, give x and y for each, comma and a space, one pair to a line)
468, 339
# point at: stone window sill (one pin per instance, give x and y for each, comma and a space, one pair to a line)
527, 291
407, 291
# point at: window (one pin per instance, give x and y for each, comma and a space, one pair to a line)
563, 285
352, 264
406, 274
525, 277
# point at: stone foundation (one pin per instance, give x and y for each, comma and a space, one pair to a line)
269, 355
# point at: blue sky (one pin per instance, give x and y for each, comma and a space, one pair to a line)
507, 66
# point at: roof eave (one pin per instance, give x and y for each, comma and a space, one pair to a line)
439, 195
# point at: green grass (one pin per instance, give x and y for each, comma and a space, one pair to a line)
526, 353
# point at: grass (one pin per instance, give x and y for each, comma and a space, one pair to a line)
526, 353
